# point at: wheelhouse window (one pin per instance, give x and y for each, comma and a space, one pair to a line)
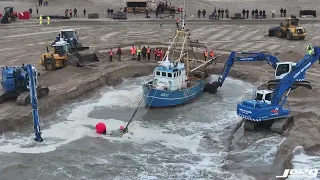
158, 73
179, 73
164, 74
175, 74
169, 74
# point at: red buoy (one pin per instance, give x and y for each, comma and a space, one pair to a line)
101, 128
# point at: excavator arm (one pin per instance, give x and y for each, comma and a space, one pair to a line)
302, 66
34, 102
245, 57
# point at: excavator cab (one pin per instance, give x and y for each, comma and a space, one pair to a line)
264, 96
283, 68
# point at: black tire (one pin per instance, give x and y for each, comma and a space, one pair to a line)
289, 35
49, 64
279, 33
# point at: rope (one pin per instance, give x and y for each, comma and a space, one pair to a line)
147, 107
126, 129
138, 107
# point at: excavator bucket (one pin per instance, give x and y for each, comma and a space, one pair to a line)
211, 87
273, 84
82, 58
88, 57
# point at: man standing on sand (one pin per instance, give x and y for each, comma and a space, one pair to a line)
119, 53
75, 12
84, 13
48, 20
40, 20
148, 52
30, 11
111, 54
273, 12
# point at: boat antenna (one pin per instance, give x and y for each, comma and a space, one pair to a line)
183, 15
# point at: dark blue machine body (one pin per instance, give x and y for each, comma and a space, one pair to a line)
258, 111
14, 79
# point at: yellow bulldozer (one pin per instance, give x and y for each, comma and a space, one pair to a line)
291, 30
59, 57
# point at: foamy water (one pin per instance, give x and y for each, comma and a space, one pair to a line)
153, 136
302, 161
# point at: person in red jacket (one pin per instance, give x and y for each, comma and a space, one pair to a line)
158, 54
111, 54
161, 54
148, 52
155, 53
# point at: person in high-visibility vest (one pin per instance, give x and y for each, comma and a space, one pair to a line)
40, 20
206, 55
177, 22
148, 52
133, 52
310, 49
139, 53
48, 20
211, 54
111, 54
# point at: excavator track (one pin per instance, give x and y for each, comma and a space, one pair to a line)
7, 95
282, 124
24, 98
249, 125
273, 84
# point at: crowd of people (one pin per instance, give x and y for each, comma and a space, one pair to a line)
44, 3
144, 53
139, 53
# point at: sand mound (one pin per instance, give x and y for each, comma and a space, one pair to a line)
302, 92
290, 56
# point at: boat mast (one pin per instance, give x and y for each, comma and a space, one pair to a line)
186, 38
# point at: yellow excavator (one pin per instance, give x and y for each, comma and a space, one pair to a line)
59, 57
291, 30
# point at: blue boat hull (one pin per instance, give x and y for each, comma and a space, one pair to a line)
165, 98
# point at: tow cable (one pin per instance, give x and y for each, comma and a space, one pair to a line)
125, 130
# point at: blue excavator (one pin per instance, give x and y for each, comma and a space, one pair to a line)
23, 80
267, 109
281, 69
15, 84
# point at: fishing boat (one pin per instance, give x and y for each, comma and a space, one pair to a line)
173, 82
